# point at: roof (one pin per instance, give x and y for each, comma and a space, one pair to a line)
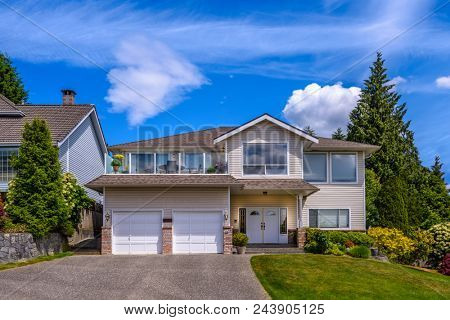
7, 107
61, 119
200, 180
268, 184
155, 180
265, 117
202, 138
327, 144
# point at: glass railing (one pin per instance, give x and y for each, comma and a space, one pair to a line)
168, 163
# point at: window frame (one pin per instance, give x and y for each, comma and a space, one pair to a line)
327, 167
9, 174
265, 169
331, 168
333, 228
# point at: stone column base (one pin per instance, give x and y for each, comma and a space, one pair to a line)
106, 243
167, 238
227, 240
301, 238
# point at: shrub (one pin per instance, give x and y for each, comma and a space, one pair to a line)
7, 226
317, 241
240, 239
445, 266
341, 237
441, 245
422, 247
335, 250
76, 199
349, 244
392, 242
359, 252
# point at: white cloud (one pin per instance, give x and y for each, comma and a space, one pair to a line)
443, 82
397, 80
149, 79
323, 108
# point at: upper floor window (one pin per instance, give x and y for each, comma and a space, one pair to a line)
142, 163
265, 159
343, 167
315, 167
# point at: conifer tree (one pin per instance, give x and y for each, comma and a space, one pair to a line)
309, 130
11, 85
338, 134
35, 196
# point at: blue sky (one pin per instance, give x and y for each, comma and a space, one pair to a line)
187, 65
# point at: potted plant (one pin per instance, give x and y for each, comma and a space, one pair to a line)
117, 162
211, 170
240, 241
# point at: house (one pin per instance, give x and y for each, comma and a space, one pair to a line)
74, 128
187, 193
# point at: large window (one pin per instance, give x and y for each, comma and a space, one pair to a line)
329, 218
192, 163
315, 167
343, 167
7, 173
142, 163
265, 159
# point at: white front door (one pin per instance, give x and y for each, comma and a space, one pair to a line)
197, 232
137, 232
271, 225
254, 223
262, 225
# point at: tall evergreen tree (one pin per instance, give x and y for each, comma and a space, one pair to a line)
338, 134
309, 130
436, 168
379, 119
35, 196
11, 85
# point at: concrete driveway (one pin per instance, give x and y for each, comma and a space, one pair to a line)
134, 277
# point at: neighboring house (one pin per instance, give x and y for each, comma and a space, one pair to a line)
187, 193
74, 128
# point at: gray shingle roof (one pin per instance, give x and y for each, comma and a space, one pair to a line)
341, 145
283, 184
7, 107
60, 118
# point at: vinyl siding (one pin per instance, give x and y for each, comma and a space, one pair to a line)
166, 198
340, 196
86, 159
279, 201
264, 132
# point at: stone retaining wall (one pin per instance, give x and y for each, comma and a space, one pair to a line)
19, 246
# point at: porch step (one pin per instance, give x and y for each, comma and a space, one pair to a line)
277, 249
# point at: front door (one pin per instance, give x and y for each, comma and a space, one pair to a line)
262, 225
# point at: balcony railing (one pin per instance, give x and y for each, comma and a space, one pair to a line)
169, 163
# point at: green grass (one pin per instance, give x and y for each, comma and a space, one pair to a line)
10, 265
310, 276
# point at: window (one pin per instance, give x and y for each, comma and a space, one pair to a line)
265, 159
161, 162
315, 167
343, 167
283, 221
193, 163
215, 162
7, 173
242, 220
329, 218
142, 163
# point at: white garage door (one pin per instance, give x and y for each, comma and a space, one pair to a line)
198, 232
137, 232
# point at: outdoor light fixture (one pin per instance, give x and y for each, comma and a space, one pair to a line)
264, 193
107, 216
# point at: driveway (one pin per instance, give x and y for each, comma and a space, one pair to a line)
134, 277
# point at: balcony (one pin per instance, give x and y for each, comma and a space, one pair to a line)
167, 163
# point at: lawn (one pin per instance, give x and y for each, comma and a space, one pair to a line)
10, 265
310, 276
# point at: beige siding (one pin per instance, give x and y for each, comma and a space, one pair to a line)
281, 201
264, 132
166, 198
340, 196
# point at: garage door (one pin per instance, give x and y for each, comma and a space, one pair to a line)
198, 232
137, 232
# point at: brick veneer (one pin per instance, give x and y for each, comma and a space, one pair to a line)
167, 238
227, 240
301, 237
106, 244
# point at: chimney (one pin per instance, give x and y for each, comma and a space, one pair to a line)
68, 96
